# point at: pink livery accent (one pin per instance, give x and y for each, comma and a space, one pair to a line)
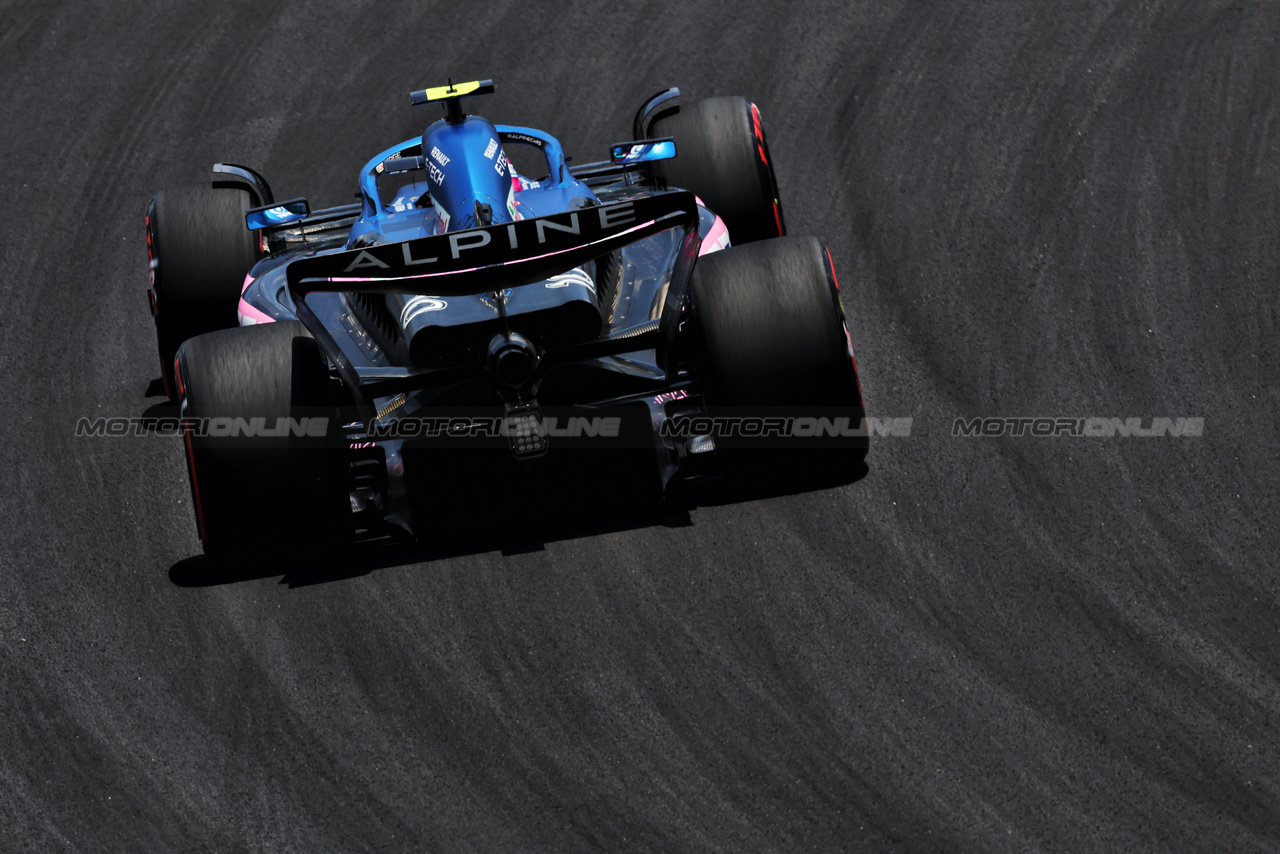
247, 314
717, 238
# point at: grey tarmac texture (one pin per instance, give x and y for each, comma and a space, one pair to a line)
1006, 644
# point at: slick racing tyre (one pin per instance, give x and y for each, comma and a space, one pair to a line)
200, 252
722, 157
265, 448
777, 360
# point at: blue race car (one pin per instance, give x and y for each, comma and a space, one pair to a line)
340, 371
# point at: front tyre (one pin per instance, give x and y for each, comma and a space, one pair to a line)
200, 252
722, 157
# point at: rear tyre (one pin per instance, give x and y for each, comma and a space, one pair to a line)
200, 252
261, 497
722, 156
777, 349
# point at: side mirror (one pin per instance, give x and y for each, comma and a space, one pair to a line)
270, 216
643, 151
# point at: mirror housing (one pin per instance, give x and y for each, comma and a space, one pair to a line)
271, 216
643, 151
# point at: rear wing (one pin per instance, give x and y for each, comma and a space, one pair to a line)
499, 256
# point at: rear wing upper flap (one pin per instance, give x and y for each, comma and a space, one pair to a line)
497, 256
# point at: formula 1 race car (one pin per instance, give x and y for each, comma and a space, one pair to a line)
341, 371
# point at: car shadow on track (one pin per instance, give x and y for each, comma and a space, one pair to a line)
510, 511
373, 551
715, 491
567, 518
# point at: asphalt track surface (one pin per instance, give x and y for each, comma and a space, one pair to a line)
985, 644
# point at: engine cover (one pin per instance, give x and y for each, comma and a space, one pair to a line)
553, 313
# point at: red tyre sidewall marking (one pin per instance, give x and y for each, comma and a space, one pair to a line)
758, 131
831, 265
191, 461
759, 134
